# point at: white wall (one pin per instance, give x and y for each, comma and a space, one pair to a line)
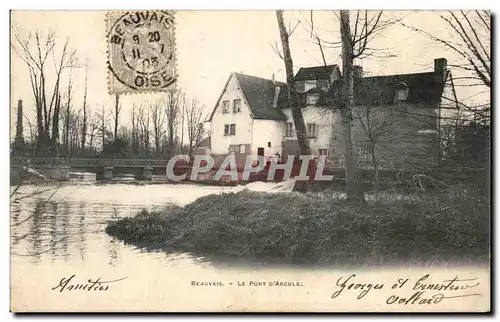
257, 132
324, 121
265, 131
243, 120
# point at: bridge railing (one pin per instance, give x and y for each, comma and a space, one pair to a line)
90, 162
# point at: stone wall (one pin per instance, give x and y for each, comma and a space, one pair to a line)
405, 136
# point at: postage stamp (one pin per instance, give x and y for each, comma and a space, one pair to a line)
141, 51
250, 161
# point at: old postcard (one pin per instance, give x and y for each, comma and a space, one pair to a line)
250, 161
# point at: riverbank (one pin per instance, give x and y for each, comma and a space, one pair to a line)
314, 228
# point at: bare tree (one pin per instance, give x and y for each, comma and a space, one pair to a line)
470, 39
67, 116
158, 117
116, 115
142, 118
193, 115
32, 137
85, 115
173, 109
103, 128
36, 51
354, 42
346, 103
376, 125
93, 131
293, 101
134, 133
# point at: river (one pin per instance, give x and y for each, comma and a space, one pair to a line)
58, 231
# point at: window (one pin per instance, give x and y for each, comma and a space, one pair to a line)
236, 105
312, 99
308, 84
288, 130
401, 94
237, 148
402, 91
225, 107
299, 86
312, 130
364, 152
323, 151
229, 129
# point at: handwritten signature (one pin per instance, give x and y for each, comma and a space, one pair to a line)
420, 289
68, 284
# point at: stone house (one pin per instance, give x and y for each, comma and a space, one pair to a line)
396, 118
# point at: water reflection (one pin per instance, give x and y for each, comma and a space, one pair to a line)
58, 230
67, 227
81, 230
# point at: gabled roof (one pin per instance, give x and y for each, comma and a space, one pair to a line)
259, 94
424, 88
316, 72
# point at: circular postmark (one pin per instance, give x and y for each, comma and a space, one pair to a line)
142, 49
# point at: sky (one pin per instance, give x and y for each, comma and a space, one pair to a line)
213, 44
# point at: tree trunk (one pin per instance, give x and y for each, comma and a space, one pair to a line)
55, 126
103, 130
183, 116
170, 141
298, 118
117, 112
84, 121
40, 127
66, 130
375, 168
353, 184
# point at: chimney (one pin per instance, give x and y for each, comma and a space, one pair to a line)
440, 67
272, 78
276, 95
357, 72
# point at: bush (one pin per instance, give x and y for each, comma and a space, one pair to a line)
313, 228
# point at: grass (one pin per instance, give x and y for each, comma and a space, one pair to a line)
316, 228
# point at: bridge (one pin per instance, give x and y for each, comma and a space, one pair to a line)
92, 162
59, 168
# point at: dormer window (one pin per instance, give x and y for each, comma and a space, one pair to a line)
402, 91
312, 99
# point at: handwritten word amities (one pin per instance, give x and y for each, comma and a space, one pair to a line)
67, 284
